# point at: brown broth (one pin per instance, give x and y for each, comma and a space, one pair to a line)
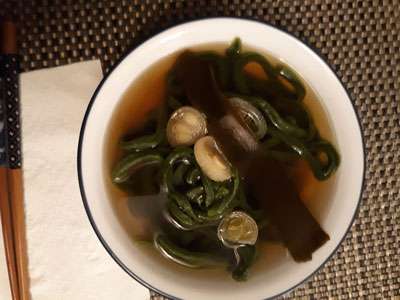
147, 92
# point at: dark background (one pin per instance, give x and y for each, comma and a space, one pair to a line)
359, 39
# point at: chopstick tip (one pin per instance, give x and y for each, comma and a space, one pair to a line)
8, 36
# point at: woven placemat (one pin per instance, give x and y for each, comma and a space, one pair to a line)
359, 39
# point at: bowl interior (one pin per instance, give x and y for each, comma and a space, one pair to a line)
273, 274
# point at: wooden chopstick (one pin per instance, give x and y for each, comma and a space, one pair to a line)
18, 217
13, 210
8, 235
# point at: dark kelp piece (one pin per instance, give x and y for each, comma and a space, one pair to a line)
265, 176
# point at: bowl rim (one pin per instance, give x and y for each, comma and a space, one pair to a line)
301, 40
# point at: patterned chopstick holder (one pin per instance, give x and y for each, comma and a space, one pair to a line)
10, 130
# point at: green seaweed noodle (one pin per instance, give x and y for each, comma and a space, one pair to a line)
195, 204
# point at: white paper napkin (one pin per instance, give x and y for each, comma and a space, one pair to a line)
66, 261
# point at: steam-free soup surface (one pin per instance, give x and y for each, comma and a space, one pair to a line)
138, 103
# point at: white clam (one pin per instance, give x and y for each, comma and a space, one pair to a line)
185, 126
253, 117
238, 228
211, 160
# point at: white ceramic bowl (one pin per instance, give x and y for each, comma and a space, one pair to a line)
264, 282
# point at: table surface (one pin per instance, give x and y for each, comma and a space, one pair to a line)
359, 39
